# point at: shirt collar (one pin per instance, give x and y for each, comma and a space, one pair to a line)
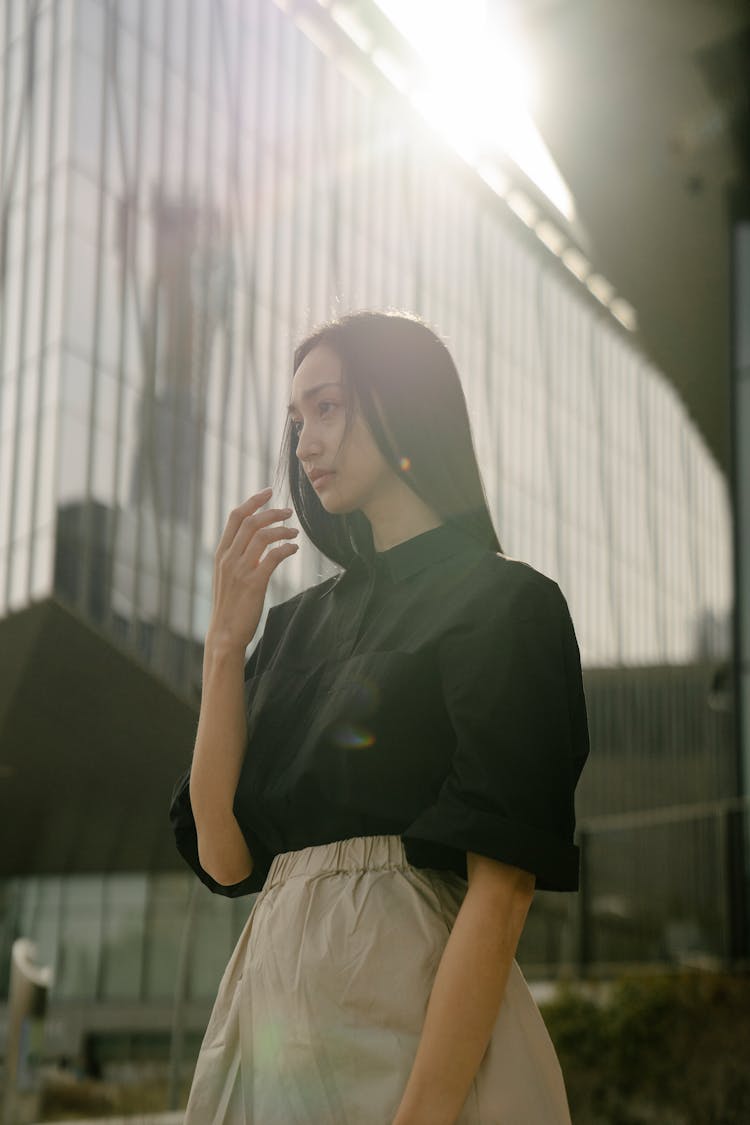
414, 554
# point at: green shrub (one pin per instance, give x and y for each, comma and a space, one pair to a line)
73, 1099
671, 1048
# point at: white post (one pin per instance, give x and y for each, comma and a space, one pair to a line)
27, 1005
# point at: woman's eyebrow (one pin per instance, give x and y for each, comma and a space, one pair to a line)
292, 407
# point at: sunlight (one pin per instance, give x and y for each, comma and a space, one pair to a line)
475, 88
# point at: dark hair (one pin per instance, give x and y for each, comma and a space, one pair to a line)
413, 375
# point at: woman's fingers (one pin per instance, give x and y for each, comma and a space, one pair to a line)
240, 577
269, 563
256, 539
236, 516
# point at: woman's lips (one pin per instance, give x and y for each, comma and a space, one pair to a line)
321, 480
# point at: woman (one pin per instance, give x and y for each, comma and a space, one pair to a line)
397, 775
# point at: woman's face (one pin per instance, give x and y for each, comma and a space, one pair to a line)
362, 478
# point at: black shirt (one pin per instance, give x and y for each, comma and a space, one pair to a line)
434, 692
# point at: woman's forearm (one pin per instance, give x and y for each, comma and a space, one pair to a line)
463, 1007
219, 751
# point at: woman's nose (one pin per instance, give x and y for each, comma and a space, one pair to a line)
307, 450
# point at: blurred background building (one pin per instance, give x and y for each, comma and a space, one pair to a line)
187, 188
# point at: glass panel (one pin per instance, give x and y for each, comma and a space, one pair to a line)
122, 954
87, 111
40, 918
168, 897
42, 566
80, 937
212, 943
80, 300
72, 458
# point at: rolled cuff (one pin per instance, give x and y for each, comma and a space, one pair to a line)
446, 830
186, 840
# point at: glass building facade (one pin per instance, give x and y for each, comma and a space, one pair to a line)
187, 189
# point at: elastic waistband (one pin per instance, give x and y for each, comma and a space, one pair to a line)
358, 853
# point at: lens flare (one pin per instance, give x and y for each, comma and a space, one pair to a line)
268, 1043
350, 736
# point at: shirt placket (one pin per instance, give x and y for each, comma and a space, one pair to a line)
351, 625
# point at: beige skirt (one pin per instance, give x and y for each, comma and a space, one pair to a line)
321, 1007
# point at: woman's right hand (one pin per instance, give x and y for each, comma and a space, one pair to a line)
240, 576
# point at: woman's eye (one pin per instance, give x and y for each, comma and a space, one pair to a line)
296, 425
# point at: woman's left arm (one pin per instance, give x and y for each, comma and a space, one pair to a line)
467, 991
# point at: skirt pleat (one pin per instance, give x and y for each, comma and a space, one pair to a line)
320, 1009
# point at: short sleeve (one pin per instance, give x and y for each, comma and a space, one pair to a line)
183, 822
513, 690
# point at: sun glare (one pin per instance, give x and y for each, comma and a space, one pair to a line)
476, 87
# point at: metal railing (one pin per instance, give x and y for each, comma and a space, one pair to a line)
661, 887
